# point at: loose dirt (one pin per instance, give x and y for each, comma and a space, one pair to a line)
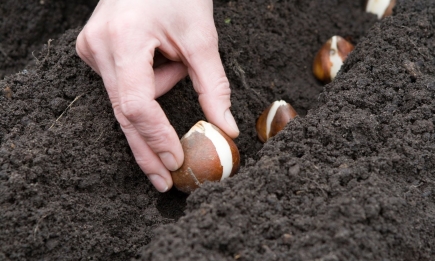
350, 179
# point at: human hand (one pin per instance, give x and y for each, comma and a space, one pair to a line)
119, 42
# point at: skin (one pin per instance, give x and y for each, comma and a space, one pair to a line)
119, 42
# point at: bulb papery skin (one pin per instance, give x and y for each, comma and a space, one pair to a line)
381, 8
335, 58
209, 155
274, 119
330, 58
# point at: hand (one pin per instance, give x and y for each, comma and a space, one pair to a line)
119, 43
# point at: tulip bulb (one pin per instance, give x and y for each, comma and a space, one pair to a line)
274, 119
209, 155
330, 58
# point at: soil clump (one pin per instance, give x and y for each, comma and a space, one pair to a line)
351, 179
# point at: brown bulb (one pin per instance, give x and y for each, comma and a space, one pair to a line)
330, 58
274, 119
381, 8
209, 155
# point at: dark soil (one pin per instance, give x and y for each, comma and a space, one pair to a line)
351, 179
27, 24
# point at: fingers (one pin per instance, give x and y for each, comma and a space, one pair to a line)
167, 75
210, 82
147, 160
129, 80
119, 42
136, 91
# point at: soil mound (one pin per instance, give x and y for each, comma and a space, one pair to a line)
351, 179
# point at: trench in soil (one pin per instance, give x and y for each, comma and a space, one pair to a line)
349, 179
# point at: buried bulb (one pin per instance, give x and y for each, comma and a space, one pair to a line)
381, 8
274, 119
330, 58
209, 155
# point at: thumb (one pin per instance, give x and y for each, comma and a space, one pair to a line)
212, 85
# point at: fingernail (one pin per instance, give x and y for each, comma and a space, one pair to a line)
169, 161
158, 182
230, 120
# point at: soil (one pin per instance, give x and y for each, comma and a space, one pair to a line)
350, 179
27, 24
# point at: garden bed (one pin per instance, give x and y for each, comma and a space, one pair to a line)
350, 179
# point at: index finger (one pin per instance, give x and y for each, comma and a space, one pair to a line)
210, 82
136, 92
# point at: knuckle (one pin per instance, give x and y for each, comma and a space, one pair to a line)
146, 163
91, 36
83, 52
220, 93
80, 45
222, 87
158, 136
115, 29
126, 126
118, 27
205, 39
91, 32
131, 108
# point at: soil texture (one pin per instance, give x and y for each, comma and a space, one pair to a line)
350, 179
27, 24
